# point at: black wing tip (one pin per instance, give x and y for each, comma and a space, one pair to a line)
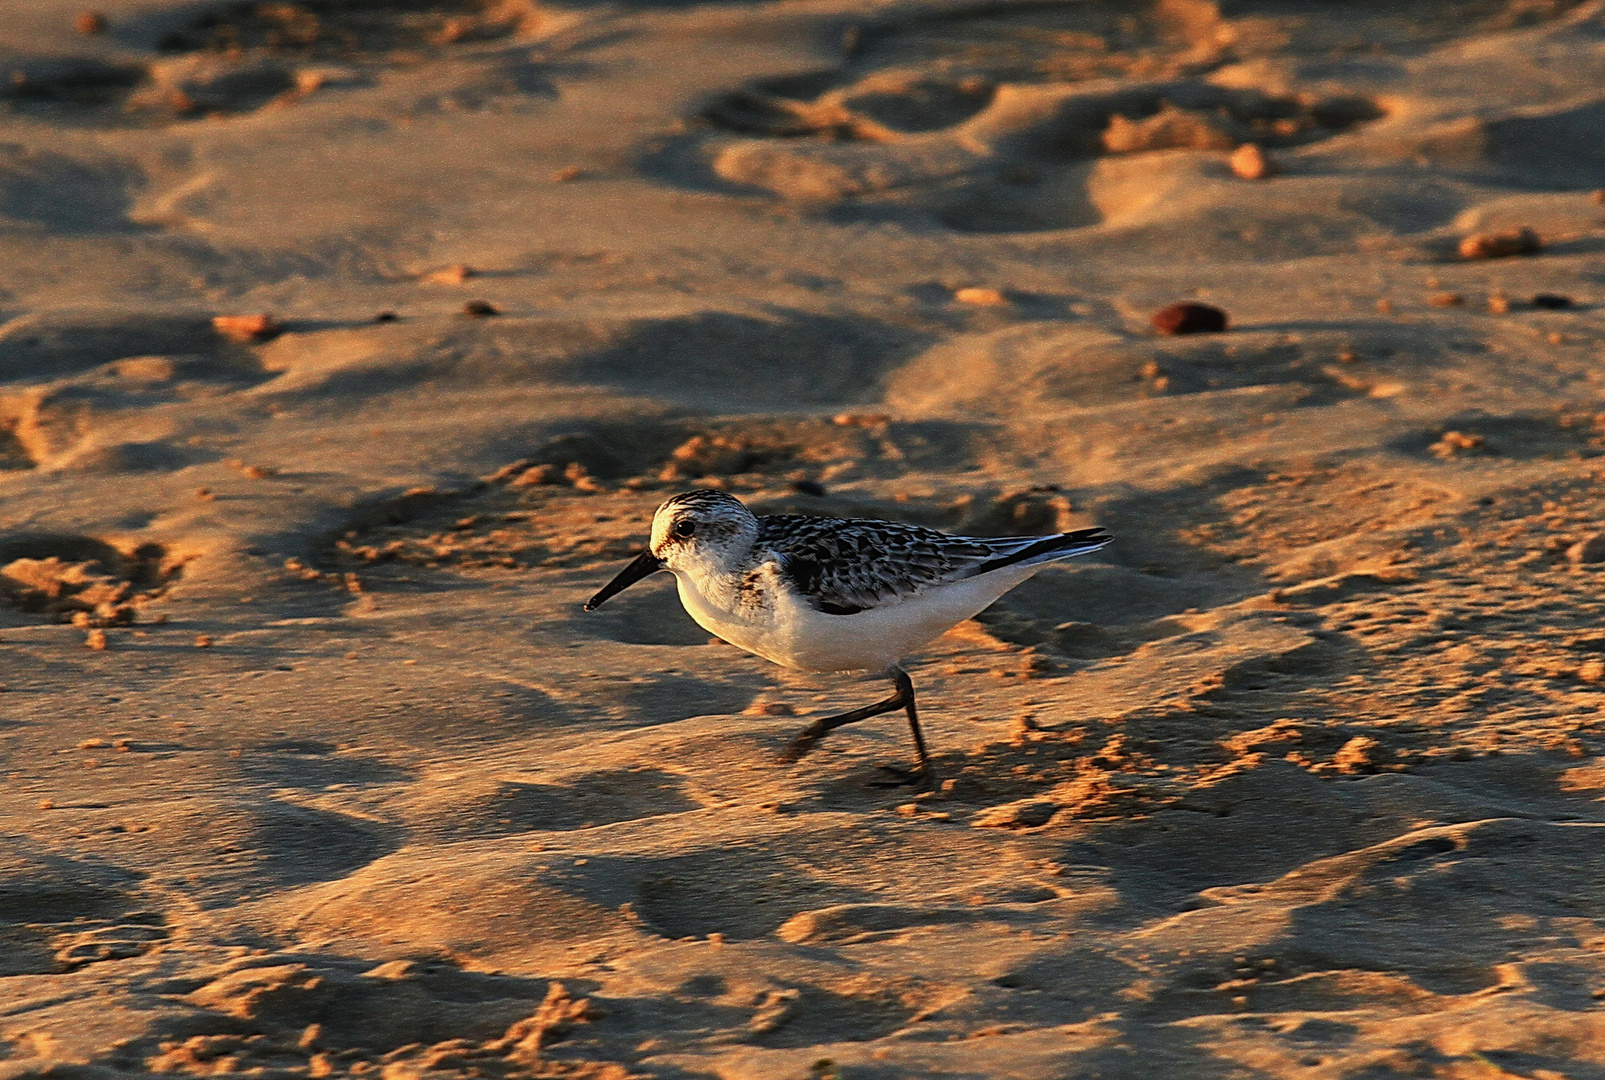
1078, 542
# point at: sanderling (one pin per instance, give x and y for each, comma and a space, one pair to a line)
833, 594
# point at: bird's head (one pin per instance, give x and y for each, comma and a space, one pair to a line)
701, 532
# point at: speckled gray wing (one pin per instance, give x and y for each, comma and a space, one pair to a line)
847, 566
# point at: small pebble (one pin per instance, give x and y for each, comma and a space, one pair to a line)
981, 297
450, 275
1385, 306
1250, 162
247, 328
89, 23
96, 639
1551, 301
386, 316
455, 29
1454, 443
480, 309
568, 174
1498, 303
1598, 197
204, 494
1592, 671
1500, 245
1190, 318
537, 474
1446, 299
203, 641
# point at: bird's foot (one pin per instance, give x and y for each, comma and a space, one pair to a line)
796, 750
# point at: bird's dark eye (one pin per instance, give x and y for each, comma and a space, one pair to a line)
684, 527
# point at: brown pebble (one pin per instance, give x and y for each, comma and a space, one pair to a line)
259, 472
1598, 197
1500, 245
455, 29
1592, 671
89, 23
863, 420
1446, 299
203, 641
96, 639
204, 494
1250, 162
980, 296
1385, 306
46, 804
1498, 303
386, 316
450, 275
1454, 443
567, 175
537, 474
247, 328
1361, 754
480, 309
1189, 317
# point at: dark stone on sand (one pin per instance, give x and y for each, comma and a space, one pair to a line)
479, 309
1190, 318
1551, 301
808, 487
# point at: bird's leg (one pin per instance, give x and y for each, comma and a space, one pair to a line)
923, 775
902, 699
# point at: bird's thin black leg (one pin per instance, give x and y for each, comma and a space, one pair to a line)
902, 699
905, 689
811, 734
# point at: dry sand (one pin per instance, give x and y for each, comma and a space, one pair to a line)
314, 767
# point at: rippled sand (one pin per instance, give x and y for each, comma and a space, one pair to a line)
315, 767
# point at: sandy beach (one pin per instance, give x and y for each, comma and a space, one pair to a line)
347, 347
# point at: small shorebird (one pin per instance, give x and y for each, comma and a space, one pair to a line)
833, 594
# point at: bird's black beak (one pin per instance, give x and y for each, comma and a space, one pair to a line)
644, 565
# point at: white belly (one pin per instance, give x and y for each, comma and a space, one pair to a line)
789, 632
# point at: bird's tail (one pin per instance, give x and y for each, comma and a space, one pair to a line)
1037, 550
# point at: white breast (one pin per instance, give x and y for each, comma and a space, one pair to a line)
784, 628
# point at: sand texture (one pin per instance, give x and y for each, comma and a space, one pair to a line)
346, 349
